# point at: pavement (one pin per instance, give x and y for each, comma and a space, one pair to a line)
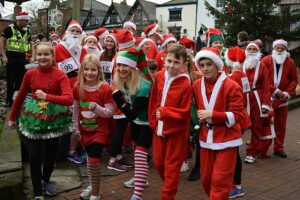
267, 179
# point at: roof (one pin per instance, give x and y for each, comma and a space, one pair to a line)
122, 10
96, 5
149, 8
178, 2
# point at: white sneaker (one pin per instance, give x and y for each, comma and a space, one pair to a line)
184, 167
86, 193
250, 159
92, 197
130, 183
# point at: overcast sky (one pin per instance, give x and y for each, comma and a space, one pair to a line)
9, 7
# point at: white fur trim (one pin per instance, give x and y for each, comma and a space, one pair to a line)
114, 39
272, 136
275, 92
126, 61
74, 25
153, 30
131, 24
287, 94
222, 145
127, 44
23, 17
105, 33
231, 119
266, 107
252, 44
208, 54
170, 39
90, 37
143, 42
280, 41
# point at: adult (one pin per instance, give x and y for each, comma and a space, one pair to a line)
54, 38
128, 25
283, 76
100, 33
15, 42
166, 42
153, 33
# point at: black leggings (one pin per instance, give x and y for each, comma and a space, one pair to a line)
35, 149
117, 138
238, 169
142, 135
94, 150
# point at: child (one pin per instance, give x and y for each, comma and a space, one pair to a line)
45, 117
132, 97
220, 106
169, 117
93, 106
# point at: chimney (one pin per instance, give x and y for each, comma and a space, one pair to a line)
81, 4
17, 9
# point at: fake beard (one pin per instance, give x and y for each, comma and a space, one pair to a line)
251, 60
92, 50
279, 56
73, 42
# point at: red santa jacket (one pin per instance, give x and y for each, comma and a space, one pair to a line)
287, 78
153, 51
223, 97
172, 96
160, 60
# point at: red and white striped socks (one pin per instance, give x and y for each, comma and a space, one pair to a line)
140, 170
94, 172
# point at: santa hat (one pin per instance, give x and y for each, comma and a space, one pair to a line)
113, 37
53, 34
188, 43
234, 57
100, 33
140, 41
22, 16
212, 54
125, 39
74, 23
166, 39
255, 44
151, 29
135, 58
90, 36
280, 41
212, 35
129, 23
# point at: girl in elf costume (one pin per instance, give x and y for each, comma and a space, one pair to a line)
93, 106
44, 117
132, 98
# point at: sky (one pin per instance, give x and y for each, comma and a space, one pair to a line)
9, 7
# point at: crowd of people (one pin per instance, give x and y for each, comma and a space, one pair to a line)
170, 99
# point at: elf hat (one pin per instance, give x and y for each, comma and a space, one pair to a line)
74, 23
125, 39
113, 37
280, 41
129, 23
22, 16
90, 36
135, 58
140, 41
212, 35
100, 33
167, 38
212, 54
151, 29
234, 57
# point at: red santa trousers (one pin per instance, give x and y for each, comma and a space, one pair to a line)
280, 117
217, 171
168, 156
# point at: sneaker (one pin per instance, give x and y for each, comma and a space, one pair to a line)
135, 198
184, 167
75, 158
49, 189
194, 175
250, 159
124, 162
130, 183
235, 192
86, 193
280, 154
116, 166
39, 198
92, 197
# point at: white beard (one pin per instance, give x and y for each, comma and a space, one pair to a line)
93, 50
252, 60
279, 56
73, 42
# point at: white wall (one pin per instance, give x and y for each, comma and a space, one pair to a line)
188, 19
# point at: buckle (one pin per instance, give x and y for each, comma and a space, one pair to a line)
209, 125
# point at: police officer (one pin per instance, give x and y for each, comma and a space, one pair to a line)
15, 42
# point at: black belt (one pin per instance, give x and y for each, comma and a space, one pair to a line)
254, 89
211, 125
72, 74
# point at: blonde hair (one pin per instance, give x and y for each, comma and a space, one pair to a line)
81, 80
132, 82
51, 48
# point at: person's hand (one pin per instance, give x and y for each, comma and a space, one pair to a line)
92, 106
157, 114
12, 124
32, 60
40, 94
280, 94
264, 111
204, 114
5, 59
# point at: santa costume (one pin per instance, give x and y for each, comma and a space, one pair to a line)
150, 30
160, 57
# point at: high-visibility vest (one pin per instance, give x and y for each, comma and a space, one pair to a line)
18, 43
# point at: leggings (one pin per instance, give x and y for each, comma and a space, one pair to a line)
238, 169
94, 150
117, 138
141, 135
35, 149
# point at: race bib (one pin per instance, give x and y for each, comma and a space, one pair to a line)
107, 66
68, 65
246, 85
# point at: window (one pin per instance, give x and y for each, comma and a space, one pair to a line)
220, 3
176, 31
175, 14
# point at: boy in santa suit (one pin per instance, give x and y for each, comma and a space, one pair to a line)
283, 76
169, 104
258, 98
220, 107
167, 40
152, 32
69, 52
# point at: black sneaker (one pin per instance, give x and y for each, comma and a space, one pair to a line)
280, 154
194, 175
